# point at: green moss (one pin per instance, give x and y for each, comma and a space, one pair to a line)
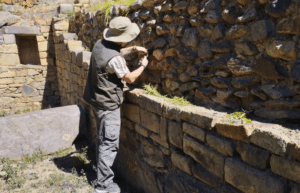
71, 15
151, 90
239, 116
180, 101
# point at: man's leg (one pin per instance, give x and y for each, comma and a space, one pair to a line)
109, 123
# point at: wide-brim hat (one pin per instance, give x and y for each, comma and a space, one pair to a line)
121, 29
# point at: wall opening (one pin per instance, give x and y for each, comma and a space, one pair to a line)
28, 49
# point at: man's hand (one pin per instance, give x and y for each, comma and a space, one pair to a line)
140, 50
144, 61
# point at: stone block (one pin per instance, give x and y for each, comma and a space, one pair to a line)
144, 132
171, 111
8, 74
152, 155
235, 131
194, 131
61, 26
223, 146
159, 140
206, 177
272, 139
9, 48
74, 45
278, 8
132, 112
282, 49
54, 129
150, 120
9, 38
43, 46
182, 162
163, 129
285, 168
151, 103
65, 8
21, 73
206, 157
175, 133
294, 150
290, 25
22, 30
45, 29
261, 29
5, 81
9, 59
253, 155
249, 179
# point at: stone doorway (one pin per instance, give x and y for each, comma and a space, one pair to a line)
28, 49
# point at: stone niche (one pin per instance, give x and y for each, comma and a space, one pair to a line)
28, 49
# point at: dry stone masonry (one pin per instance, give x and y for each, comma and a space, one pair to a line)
237, 54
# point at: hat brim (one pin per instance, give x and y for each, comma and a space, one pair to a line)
129, 35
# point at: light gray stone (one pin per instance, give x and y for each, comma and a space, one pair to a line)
47, 130
182, 162
194, 131
224, 146
65, 8
22, 30
7, 18
9, 39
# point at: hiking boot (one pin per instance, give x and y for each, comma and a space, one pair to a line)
111, 188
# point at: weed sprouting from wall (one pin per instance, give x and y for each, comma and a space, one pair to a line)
105, 6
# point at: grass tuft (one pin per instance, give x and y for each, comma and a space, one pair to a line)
180, 101
105, 6
71, 15
239, 116
151, 90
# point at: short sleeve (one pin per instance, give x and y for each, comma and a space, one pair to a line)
117, 65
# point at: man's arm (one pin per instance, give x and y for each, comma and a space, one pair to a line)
130, 77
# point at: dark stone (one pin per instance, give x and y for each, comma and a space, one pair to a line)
27, 90
204, 50
211, 4
203, 81
224, 94
221, 63
223, 74
162, 29
136, 5
213, 16
249, 15
134, 16
172, 75
282, 103
239, 67
242, 94
207, 90
218, 32
277, 114
166, 7
256, 104
179, 65
277, 8
190, 37
295, 71
193, 70
143, 27
145, 14
276, 93
181, 5
205, 30
261, 29
180, 31
152, 154
289, 25
185, 53
188, 86
173, 28
159, 43
229, 15
199, 97
149, 3
222, 47
148, 36
196, 22
173, 41
246, 48
267, 68
168, 18
259, 93
185, 77
192, 9
282, 49
245, 2
205, 176
236, 31
242, 82
220, 82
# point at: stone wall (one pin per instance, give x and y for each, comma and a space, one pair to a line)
235, 54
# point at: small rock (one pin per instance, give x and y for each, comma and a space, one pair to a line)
246, 48
145, 14
224, 94
242, 94
202, 81
168, 18
205, 30
136, 5
188, 86
249, 15
134, 16
204, 50
162, 29
245, 2
289, 25
276, 93
159, 43
166, 7
7, 18
185, 53
295, 71
261, 29
185, 77
196, 22
282, 49
266, 68
222, 47
181, 5
190, 37
242, 82
173, 28
259, 93
211, 4
213, 16
193, 70
220, 82
158, 54
223, 74
277, 8
236, 31
192, 9
238, 67
221, 63
229, 15
173, 41
218, 32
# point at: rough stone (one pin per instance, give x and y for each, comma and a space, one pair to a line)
213, 16
266, 68
248, 179
190, 37
150, 121
242, 94
158, 54
276, 93
204, 50
235, 131
22, 30
223, 94
185, 77
194, 131
65, 8
136, 5
159, 43
7, 18
295, 71
9, 59
220, 82
245, 2
229, 15
148, 3
290, 25
222, 47
236, 31
223, 146
171, 111
9, 48
151, 103
54, 129
152, 155
182, 162
242, 82
132, 112
185, 53
249, 15
127, 124
261, 29
285, 168
218, 32
9, 39
294, 150
253, 155
206, 90
144, 132
61, 26
277, 8
238, 67
295, 188
166, 7
282, 49
205, 31
277, 114
211, 4
145, 14
181, 5
246, 48
175, 133
188, 86
204, 176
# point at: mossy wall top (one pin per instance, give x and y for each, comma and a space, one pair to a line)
231, 53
